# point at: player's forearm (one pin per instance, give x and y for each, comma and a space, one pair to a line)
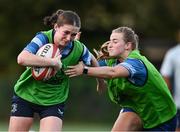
27, 59
102, 72
107, 72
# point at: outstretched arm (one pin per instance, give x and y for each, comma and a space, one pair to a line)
101, 72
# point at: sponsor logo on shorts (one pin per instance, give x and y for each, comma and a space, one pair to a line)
14, 108
60, 112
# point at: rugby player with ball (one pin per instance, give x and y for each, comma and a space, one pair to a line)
43, 87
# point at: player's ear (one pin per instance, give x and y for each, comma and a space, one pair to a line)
128, 45
55, 26
78, 35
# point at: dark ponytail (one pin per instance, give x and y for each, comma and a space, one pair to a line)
51, 20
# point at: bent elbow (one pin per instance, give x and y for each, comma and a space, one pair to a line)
23, 57
109, 76
20, 60
112, 74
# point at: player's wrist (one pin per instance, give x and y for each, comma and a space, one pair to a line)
85, 70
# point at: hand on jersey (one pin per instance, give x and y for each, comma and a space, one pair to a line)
76, 70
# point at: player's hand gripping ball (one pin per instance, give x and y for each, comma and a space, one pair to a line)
45, 73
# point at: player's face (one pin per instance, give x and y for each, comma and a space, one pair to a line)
117, 45
65, 34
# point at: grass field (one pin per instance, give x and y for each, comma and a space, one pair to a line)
70, 127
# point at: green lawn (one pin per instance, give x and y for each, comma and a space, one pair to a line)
86, 127
70, 127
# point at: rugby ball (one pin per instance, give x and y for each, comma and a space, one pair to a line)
45, 73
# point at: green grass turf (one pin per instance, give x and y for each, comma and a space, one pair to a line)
70, 126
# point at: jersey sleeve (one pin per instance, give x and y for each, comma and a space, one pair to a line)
39, 40
102, 62
86, 56
137, 70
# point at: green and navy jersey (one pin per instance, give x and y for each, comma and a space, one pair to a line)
56, 89
41, 39
151, 100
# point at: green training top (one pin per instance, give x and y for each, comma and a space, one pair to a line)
56, 89
152, 101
